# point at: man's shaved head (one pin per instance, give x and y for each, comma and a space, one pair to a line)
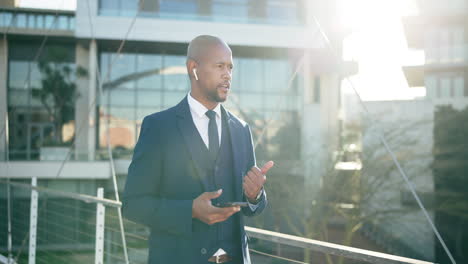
200, 47
209, 66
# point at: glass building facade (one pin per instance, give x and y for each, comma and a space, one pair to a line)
136, 84
35, 20
285, 12
31, 118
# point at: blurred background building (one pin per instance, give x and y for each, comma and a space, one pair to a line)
425, 135
71, 88
440, 30
55, 63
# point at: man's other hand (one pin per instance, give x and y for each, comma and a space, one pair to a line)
254, 181
203, 209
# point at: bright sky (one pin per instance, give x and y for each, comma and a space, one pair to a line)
377, 43
379, 46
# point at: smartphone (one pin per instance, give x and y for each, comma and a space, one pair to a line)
229, 204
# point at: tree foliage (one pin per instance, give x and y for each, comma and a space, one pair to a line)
58, 92
450, 170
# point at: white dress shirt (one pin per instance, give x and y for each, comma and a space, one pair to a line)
201, 120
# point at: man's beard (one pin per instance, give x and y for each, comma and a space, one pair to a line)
214, 96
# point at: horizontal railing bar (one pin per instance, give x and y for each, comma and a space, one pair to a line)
296, 241
76, 196
4, 259
330, 248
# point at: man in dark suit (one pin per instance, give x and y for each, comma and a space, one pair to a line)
188, 159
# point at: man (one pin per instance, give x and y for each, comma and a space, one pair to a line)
188, 159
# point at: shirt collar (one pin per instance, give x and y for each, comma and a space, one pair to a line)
199, 109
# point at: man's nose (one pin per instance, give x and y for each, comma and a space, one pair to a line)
227, 75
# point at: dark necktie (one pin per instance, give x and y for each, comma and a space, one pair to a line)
213, 137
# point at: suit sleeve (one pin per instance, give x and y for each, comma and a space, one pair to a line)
260, 206
141, 202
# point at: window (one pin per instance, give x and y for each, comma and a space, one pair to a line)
62, 23
150, 65
259, 91
317, 89
250, 72
139, 84
459, 87
21, 20
5, 19
128, 7
40, 21
282, 11
176, 8
31, 20
445, 45
431, 86
287, 12
447, 85
49, 21
109, 7
31, 125
174, 73
445, 88
230, 10
458, 52
431, 44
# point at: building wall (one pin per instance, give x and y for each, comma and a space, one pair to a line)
86, 57
182, 31
294, 120
3, 98
264, 64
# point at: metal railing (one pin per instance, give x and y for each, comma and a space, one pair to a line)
62, 237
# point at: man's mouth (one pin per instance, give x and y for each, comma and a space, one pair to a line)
225, 86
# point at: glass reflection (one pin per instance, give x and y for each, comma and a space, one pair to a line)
153, 82
284, 12
175, 73
36, 89
230, 10
150, 66
178, 8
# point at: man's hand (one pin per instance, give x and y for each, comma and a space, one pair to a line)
254, 180
203, 210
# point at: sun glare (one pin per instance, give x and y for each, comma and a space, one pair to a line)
378, 44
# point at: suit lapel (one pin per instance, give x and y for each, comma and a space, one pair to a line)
235, 134
191, 138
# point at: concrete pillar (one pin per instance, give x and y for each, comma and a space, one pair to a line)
312, 138
85, 113
329, 108
310, 121
3, 98
320, 124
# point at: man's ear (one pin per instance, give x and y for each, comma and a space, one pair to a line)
191, 65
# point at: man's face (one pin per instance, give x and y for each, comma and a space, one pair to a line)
215, 73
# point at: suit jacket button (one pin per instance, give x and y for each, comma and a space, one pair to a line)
203, 251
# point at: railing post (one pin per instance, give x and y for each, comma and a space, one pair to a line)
100, 217
33, 223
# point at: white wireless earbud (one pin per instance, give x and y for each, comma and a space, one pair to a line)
195, 73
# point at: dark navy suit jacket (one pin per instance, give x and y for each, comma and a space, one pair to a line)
164, 179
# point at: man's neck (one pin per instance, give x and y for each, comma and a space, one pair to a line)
208, 104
